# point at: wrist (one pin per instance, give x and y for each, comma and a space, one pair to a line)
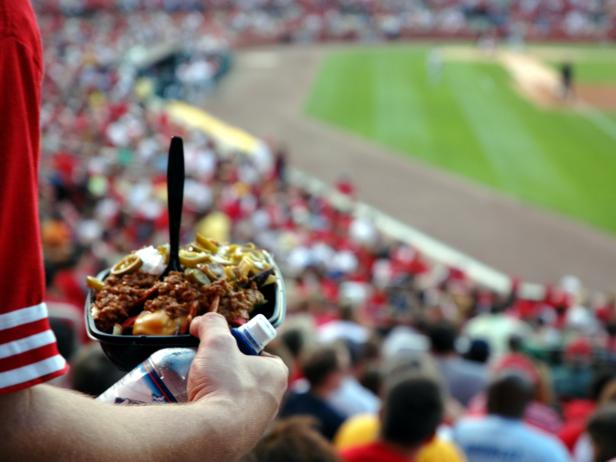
241, 399
242, 403
240, 419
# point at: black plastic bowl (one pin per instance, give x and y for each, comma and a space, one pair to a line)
127, 351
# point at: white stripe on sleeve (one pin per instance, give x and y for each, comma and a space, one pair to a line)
26, 344
23, 316
31, 371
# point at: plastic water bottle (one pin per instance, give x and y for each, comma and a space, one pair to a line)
163, 376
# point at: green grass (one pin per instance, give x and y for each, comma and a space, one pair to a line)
473, 123
593, 72
596, 72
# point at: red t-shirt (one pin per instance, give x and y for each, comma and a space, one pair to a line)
373, 452
28, 352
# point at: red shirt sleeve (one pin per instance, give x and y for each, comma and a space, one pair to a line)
28, 352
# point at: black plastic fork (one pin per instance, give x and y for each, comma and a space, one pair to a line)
175, 199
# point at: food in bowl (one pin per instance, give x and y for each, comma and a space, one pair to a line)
225, 278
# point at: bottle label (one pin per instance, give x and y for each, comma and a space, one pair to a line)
140, 386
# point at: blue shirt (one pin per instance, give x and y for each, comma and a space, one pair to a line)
308, 404
498, 439
351, 399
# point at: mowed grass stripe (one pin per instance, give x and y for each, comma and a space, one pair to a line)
489, 112
472, 122
393, 121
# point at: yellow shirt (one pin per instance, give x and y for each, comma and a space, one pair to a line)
215, 226
364, 429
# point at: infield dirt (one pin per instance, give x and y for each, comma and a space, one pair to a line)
537, 81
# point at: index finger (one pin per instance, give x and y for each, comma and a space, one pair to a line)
209, 325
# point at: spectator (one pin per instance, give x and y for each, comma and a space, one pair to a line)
478, 351
364, 429
496, 327
323, 371
577, 412
574, 378
351, 397
464, 379
605, 389
293, 339
502, 435
539, 412
412, 411
293, 440
602, 431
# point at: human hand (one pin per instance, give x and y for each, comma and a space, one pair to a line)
221, 370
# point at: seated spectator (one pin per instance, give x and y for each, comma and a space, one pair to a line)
496, 327
364, 429
573, 378
412, 412
539, 412
602, 431
502, 435
323, 371
478, 351
351, 397
583, 450
577, 412
464, 379
294, 341
293, 440
371, 379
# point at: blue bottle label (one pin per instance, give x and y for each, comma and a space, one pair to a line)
160, 392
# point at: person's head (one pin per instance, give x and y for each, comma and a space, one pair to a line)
346, 313
92, 372
608, 393
409, 365
509, 394
478, 351
371, 379
602, 430
293, 440
603, 379
442, 338
361, 355
278, 348
515, 344
293, 339
323, 369
412, 410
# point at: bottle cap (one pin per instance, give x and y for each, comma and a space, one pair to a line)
259, 330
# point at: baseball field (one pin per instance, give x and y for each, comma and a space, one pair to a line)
496, 117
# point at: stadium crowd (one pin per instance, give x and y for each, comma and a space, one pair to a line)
392, 356
275, 21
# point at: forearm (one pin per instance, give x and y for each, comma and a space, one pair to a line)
46, 423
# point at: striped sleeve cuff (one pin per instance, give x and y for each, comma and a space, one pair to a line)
28, 351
